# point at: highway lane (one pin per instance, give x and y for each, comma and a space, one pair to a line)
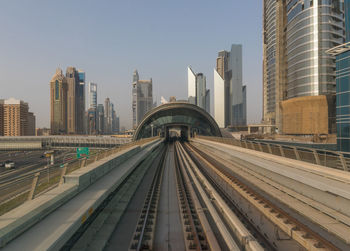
27, 162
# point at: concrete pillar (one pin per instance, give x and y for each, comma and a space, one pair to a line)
281, 150
248, 129
296, 152
64, 171
34, 185
317, 158
343, 162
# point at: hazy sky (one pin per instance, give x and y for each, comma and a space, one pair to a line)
109, 39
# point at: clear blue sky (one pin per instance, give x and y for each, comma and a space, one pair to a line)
109, 39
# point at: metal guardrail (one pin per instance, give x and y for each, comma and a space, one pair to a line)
332, 159
16, 191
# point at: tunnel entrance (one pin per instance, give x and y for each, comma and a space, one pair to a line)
177, 118
177, 132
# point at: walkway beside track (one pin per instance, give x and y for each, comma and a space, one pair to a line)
317, 196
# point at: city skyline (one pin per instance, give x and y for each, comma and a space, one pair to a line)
108, 55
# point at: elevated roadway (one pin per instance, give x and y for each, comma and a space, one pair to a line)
56, 142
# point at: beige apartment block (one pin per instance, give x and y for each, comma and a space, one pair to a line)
1, 117
15, 117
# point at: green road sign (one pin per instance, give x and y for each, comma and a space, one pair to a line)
82, 152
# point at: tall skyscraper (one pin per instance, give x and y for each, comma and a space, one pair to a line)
197, 90
92, 95
229, 92
58, 103
82, 127
142, 98
75, 101
108, 117
296, 35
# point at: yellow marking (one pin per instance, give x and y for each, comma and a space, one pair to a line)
83, 219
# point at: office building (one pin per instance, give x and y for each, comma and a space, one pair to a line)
92, 95
229, 92
342, 54
75, 101
142, 98
297, 34
58, 103
17, 121
100, 119
197, 89
31, 124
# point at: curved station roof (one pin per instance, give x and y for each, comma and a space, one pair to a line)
177, 113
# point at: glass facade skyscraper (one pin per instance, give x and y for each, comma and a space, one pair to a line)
296, 36
312, 28
92, 95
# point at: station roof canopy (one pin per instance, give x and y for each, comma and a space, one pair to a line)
177, 113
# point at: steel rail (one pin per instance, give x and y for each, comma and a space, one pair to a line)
198, 183
187, 210
152, 197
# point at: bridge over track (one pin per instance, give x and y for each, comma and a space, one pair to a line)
54, 142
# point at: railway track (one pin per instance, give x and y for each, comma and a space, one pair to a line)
213, 210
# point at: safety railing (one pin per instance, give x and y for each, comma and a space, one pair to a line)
16, 191
332, 159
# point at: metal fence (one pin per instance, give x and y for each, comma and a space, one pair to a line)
332, 159
16, 191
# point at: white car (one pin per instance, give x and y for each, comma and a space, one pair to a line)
9, 164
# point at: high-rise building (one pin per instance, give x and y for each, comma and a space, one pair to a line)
16, 120
100, 119
297, 34
142, 98
75, 100
191, 85
92, 95
81, 125
274, 60
58, 103
229, 92
197, 90
342, 53
108, 117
